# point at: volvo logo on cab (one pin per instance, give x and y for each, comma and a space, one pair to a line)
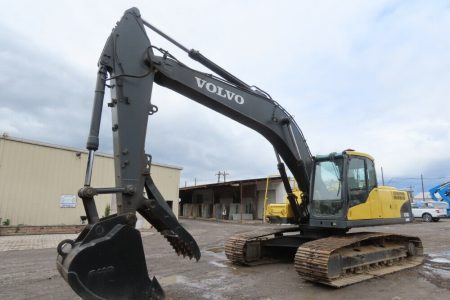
218, 90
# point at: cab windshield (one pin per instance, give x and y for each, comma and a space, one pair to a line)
327, 191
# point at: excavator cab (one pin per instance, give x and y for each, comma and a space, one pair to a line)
345, 194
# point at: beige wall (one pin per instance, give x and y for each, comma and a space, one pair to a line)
34, 176
168, 182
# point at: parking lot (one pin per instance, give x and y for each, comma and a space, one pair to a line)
28, 269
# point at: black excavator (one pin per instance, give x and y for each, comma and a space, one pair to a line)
338, 191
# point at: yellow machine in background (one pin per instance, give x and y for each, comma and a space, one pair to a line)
282, 213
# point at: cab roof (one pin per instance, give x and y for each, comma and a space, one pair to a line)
357, 153
348, 152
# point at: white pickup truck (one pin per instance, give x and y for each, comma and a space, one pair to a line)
428, 211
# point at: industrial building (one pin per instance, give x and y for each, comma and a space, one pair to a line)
233, 200
39, 183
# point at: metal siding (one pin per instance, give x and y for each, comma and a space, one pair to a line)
33, 177
168, 182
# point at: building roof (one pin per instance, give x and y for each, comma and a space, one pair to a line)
72, 149
229, 183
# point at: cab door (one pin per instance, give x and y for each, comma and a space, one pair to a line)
361, 184
374, 194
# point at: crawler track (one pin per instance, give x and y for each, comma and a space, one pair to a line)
342, 260
239, 250
336, 260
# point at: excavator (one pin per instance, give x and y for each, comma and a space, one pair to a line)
338, 191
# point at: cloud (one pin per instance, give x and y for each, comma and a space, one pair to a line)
366, 75
41, 97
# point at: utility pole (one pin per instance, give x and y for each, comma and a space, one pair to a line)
195, 181
218, 176
423, 191
225, 176
382, 175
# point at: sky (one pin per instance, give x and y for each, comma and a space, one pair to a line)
368, 75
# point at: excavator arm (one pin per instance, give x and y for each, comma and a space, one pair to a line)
107, 261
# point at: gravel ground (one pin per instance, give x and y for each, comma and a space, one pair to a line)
28, 269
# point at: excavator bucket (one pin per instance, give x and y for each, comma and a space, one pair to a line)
107, 262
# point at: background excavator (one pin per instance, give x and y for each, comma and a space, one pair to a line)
338, 191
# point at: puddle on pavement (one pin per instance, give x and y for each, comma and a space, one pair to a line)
216, 252
436, 269
217, 264
440, 260
164, 281
215, 249
219, 254
209, 287
221, 261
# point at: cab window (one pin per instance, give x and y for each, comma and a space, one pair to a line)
327, 181
356, 181
371, 175
327, 189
